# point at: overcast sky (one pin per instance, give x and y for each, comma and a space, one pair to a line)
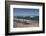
25, 12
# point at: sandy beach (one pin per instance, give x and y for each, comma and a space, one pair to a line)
30, 23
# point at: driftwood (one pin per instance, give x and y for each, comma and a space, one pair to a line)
18, 21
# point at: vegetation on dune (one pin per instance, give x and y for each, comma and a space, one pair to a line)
36, 18
28, 17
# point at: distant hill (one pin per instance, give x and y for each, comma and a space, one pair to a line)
27, 17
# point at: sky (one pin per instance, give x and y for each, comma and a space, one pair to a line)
25, 12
